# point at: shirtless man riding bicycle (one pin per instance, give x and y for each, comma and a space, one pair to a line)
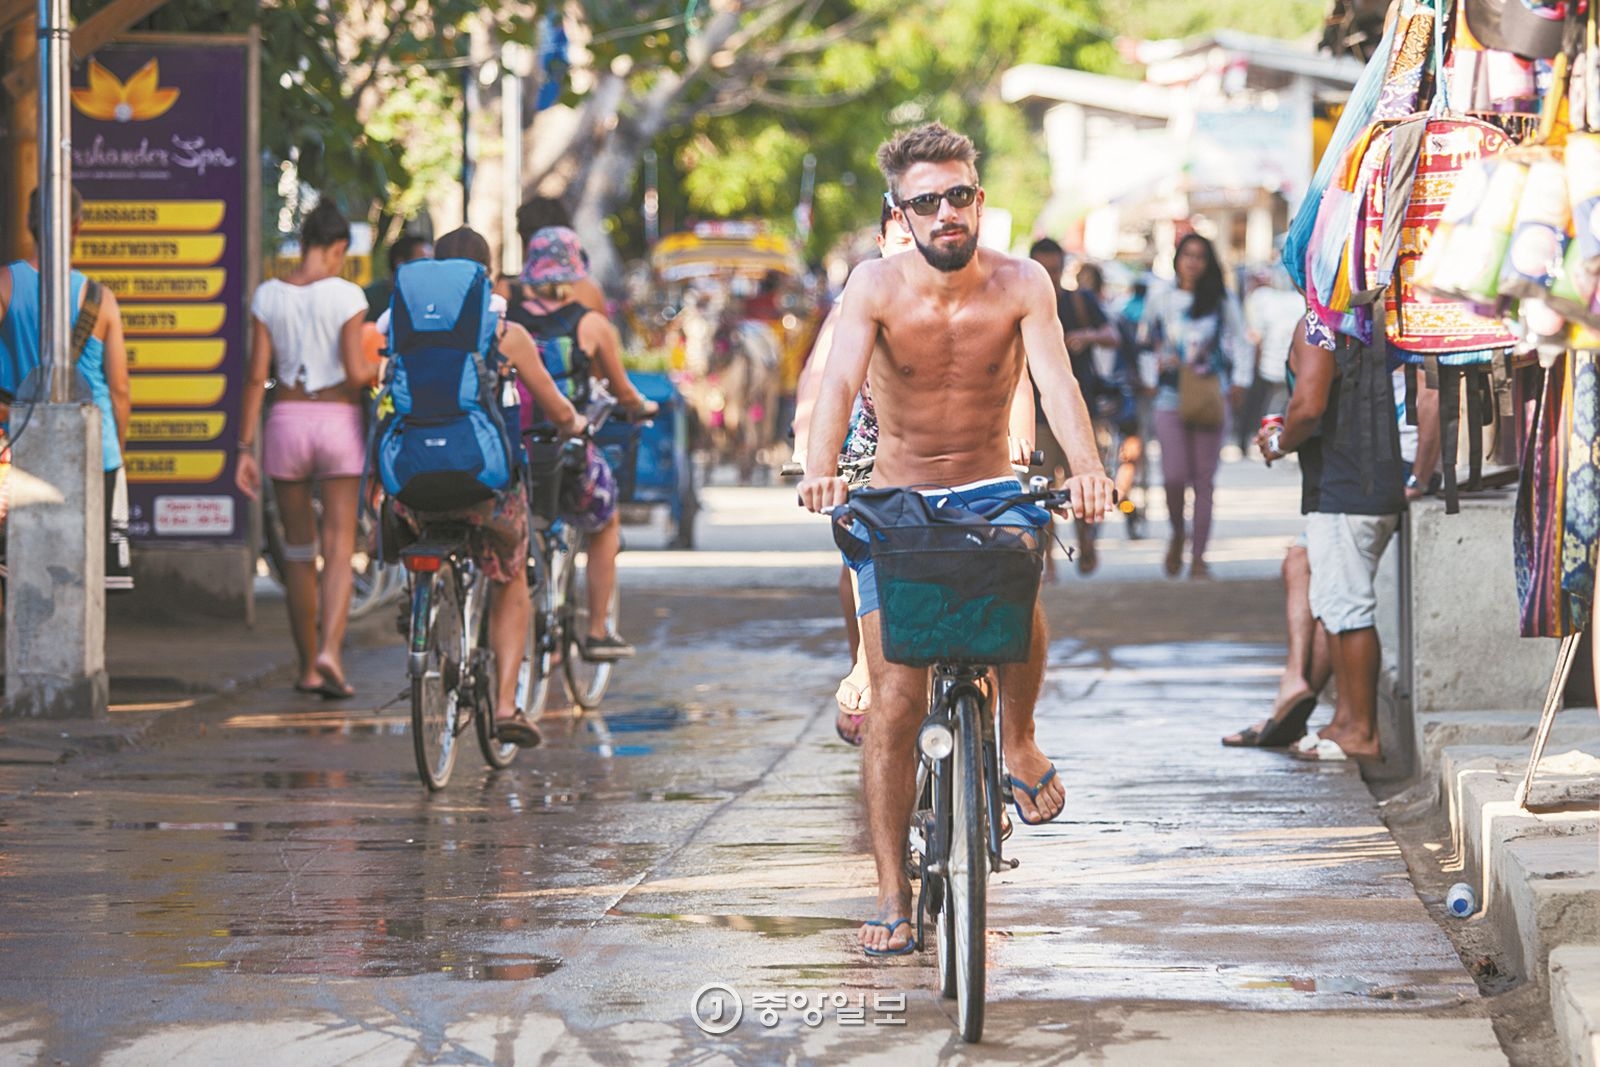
953, 328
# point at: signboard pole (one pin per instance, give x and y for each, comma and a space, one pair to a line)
55, 199
55, 626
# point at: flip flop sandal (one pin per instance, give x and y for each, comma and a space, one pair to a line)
1249, 737
519, 731
856, 721
1290, 726
1283, 729
858, 714
904, 950
1016, 783
326, 690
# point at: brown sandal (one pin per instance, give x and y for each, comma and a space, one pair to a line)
518, 730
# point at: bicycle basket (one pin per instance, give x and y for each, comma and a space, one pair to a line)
544, 478
619, 441
957, 593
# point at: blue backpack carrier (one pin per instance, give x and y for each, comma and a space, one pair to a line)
446, 446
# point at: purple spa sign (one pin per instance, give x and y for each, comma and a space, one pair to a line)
162, 151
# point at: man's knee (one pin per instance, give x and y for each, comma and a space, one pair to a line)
1296, 563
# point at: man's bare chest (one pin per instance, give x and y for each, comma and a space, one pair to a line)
968, 340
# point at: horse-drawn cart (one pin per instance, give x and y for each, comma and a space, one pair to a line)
741, 322
652, 461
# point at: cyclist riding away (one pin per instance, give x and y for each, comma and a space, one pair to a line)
576, 343
500, 525
952, 328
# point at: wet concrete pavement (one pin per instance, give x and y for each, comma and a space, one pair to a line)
265, 879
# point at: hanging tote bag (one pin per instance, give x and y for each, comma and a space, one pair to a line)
1422, 159
1200, 404
1353, 122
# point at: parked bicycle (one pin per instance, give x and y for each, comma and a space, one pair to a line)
450, 664
986, 576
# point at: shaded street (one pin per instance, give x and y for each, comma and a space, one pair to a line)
265, 876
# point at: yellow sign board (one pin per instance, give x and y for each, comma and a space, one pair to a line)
164, 284
175, 466
153, 250
176, 425
172, 320
176, 355
176, 390
153, 216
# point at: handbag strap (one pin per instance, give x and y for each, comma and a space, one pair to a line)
88, 315
1405, 152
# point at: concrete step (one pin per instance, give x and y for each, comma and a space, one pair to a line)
1536, 870
1575, 998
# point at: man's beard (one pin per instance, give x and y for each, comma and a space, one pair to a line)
945, 258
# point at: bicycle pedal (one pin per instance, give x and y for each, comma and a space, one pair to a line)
1011, 864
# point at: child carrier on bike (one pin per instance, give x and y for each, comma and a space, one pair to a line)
952, 586
445, 446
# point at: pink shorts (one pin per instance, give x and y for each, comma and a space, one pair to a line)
310, 439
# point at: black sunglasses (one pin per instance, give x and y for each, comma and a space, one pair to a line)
960, 196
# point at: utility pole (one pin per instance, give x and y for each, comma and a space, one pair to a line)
515, 62
55, 626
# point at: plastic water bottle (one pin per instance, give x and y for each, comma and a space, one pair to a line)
1461, 901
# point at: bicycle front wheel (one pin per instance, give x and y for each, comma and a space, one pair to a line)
967, 867
586, 679
435, 687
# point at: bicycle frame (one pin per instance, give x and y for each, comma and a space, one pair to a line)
947, 684
438, 545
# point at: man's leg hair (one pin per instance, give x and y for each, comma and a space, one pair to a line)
889, 778
1020, 684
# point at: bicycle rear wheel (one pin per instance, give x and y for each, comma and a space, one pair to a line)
586, 679
967, 870
496, 753
435, 693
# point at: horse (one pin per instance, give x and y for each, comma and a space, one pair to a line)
732, 385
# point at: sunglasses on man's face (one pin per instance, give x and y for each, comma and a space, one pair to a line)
960, 196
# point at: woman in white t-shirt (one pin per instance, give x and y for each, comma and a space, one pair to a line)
306, 331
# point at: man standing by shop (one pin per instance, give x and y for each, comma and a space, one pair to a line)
952, 327
1341, 421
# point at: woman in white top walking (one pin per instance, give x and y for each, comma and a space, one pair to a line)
306, 330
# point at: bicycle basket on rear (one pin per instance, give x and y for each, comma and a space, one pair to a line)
619, 441
957, 593
544, 478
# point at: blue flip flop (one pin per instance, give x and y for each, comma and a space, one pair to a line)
1033, 794
904, 950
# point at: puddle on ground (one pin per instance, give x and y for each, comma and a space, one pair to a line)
321, 724
765, 925
644, 720
459, 965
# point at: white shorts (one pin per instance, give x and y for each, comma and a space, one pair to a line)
1343, 551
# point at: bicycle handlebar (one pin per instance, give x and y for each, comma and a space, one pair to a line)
1052, 499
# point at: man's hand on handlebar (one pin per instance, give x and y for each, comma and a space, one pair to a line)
1022, 452
823, 491
645, 409
1093, 495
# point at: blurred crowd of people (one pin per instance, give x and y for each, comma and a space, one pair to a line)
1192, 368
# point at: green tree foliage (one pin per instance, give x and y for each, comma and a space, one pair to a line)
1154, 19
347, 85
832, 78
